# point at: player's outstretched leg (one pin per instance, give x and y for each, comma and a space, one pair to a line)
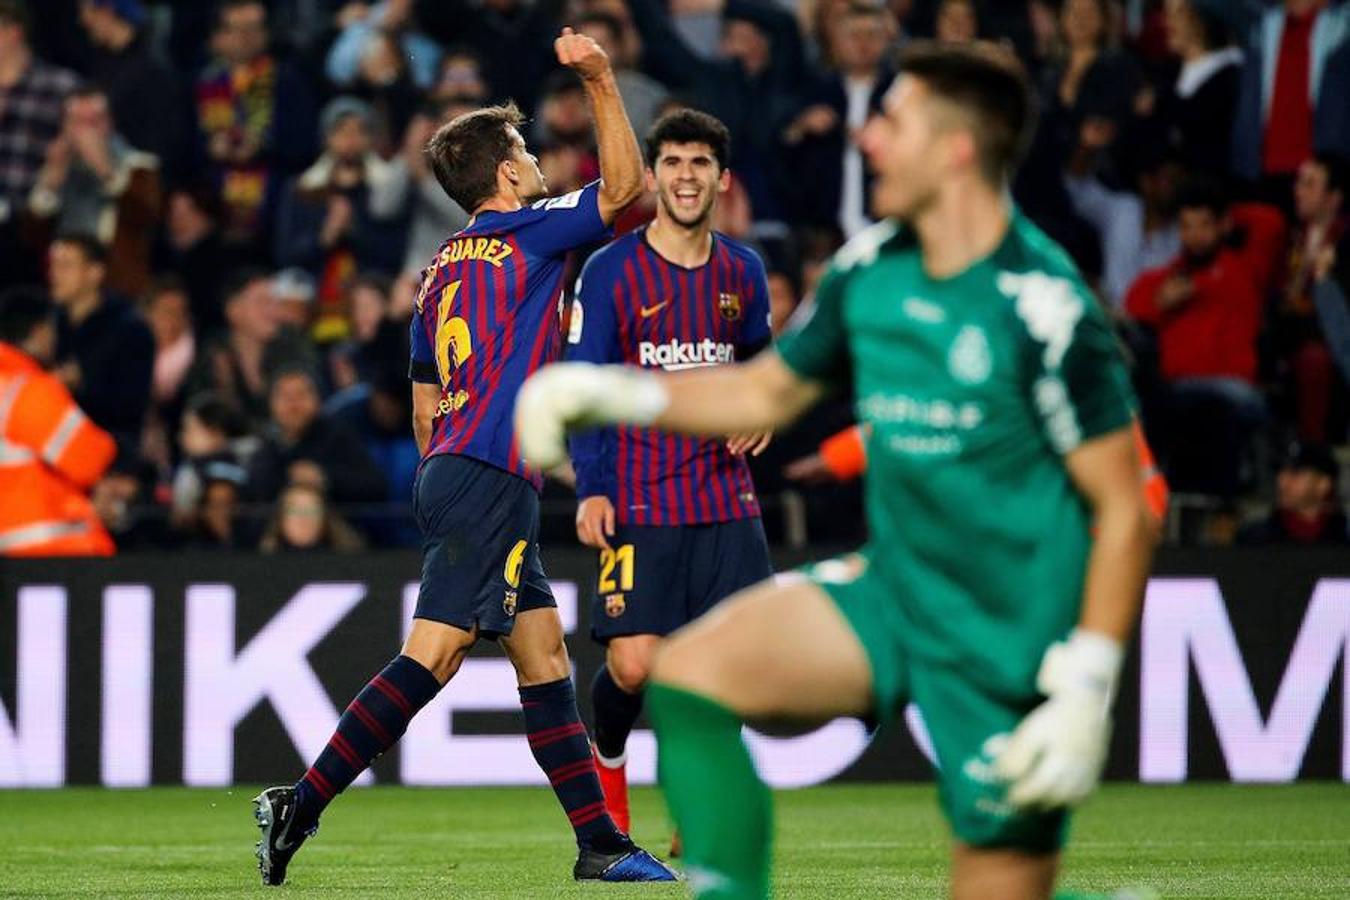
559, 743
616, 700
372, 723
772, 651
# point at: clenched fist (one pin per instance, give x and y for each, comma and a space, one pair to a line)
582, 55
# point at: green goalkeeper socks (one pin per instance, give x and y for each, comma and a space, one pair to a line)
723, 810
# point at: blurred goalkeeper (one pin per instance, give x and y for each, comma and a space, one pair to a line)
1000, 433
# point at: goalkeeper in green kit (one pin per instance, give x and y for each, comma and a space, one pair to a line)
1009, 538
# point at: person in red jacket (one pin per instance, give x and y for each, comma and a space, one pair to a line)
50, 453
1205, 310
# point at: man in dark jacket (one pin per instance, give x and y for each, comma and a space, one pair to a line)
105, 352
305, 447
150, 110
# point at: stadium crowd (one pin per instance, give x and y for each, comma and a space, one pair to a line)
228, 207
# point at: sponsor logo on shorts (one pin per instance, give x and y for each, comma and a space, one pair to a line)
615, 605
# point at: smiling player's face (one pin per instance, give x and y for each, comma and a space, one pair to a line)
687, 180
530, 184
905, 150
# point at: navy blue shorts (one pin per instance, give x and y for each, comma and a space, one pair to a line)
658, 578
480, 545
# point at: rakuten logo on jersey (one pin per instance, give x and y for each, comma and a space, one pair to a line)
685, 355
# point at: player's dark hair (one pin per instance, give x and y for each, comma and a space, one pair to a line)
1200, 192
464, 153
987, 81
22, 310
689, 126
15, 12
91, 248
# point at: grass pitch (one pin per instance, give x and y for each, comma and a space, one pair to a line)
864, 841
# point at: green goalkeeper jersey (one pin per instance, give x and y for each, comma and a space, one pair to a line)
975, 387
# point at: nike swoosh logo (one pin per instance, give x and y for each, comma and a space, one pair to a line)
648, 311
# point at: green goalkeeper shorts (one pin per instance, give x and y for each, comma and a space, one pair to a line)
965, 723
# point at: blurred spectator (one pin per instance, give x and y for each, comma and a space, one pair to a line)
239, 363
958, 21
303, 446
303, 521
94, 182
255, 118
1306, 506
122, 501
433, 215
1199, 113
1092, 82
168, 313
214, 524
379, 339
379, 410
385, 84
390, 22
105, 353
1320, 222
1291, 100
461, 78
293, 294
642, 96
193, 249
52, 454
345, 214
513, 38
146, 97
32, 107
1138, 229
753, 88
822, 137
215, 446
1205, 307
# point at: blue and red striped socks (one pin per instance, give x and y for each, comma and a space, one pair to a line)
373, 723
559, 744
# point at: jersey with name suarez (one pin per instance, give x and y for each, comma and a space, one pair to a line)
975, 387
487, 317
633, 306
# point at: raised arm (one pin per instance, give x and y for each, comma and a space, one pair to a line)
620, 159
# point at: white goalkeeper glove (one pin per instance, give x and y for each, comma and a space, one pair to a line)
1055, 756
567, 396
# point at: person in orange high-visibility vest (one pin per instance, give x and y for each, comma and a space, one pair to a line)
50, 453
843, 457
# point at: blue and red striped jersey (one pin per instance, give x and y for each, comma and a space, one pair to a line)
633, 306
487, 317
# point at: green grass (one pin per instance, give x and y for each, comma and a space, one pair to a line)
859, 841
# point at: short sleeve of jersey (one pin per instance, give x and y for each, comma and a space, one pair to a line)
569, 221
422, 366
592, 333
1080, 386
816, 344
758, 330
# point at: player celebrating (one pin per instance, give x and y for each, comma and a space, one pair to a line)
675, 519
999, 414
485, 319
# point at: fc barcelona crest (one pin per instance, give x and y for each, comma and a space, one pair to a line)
509, 603
614, 605
729, 305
